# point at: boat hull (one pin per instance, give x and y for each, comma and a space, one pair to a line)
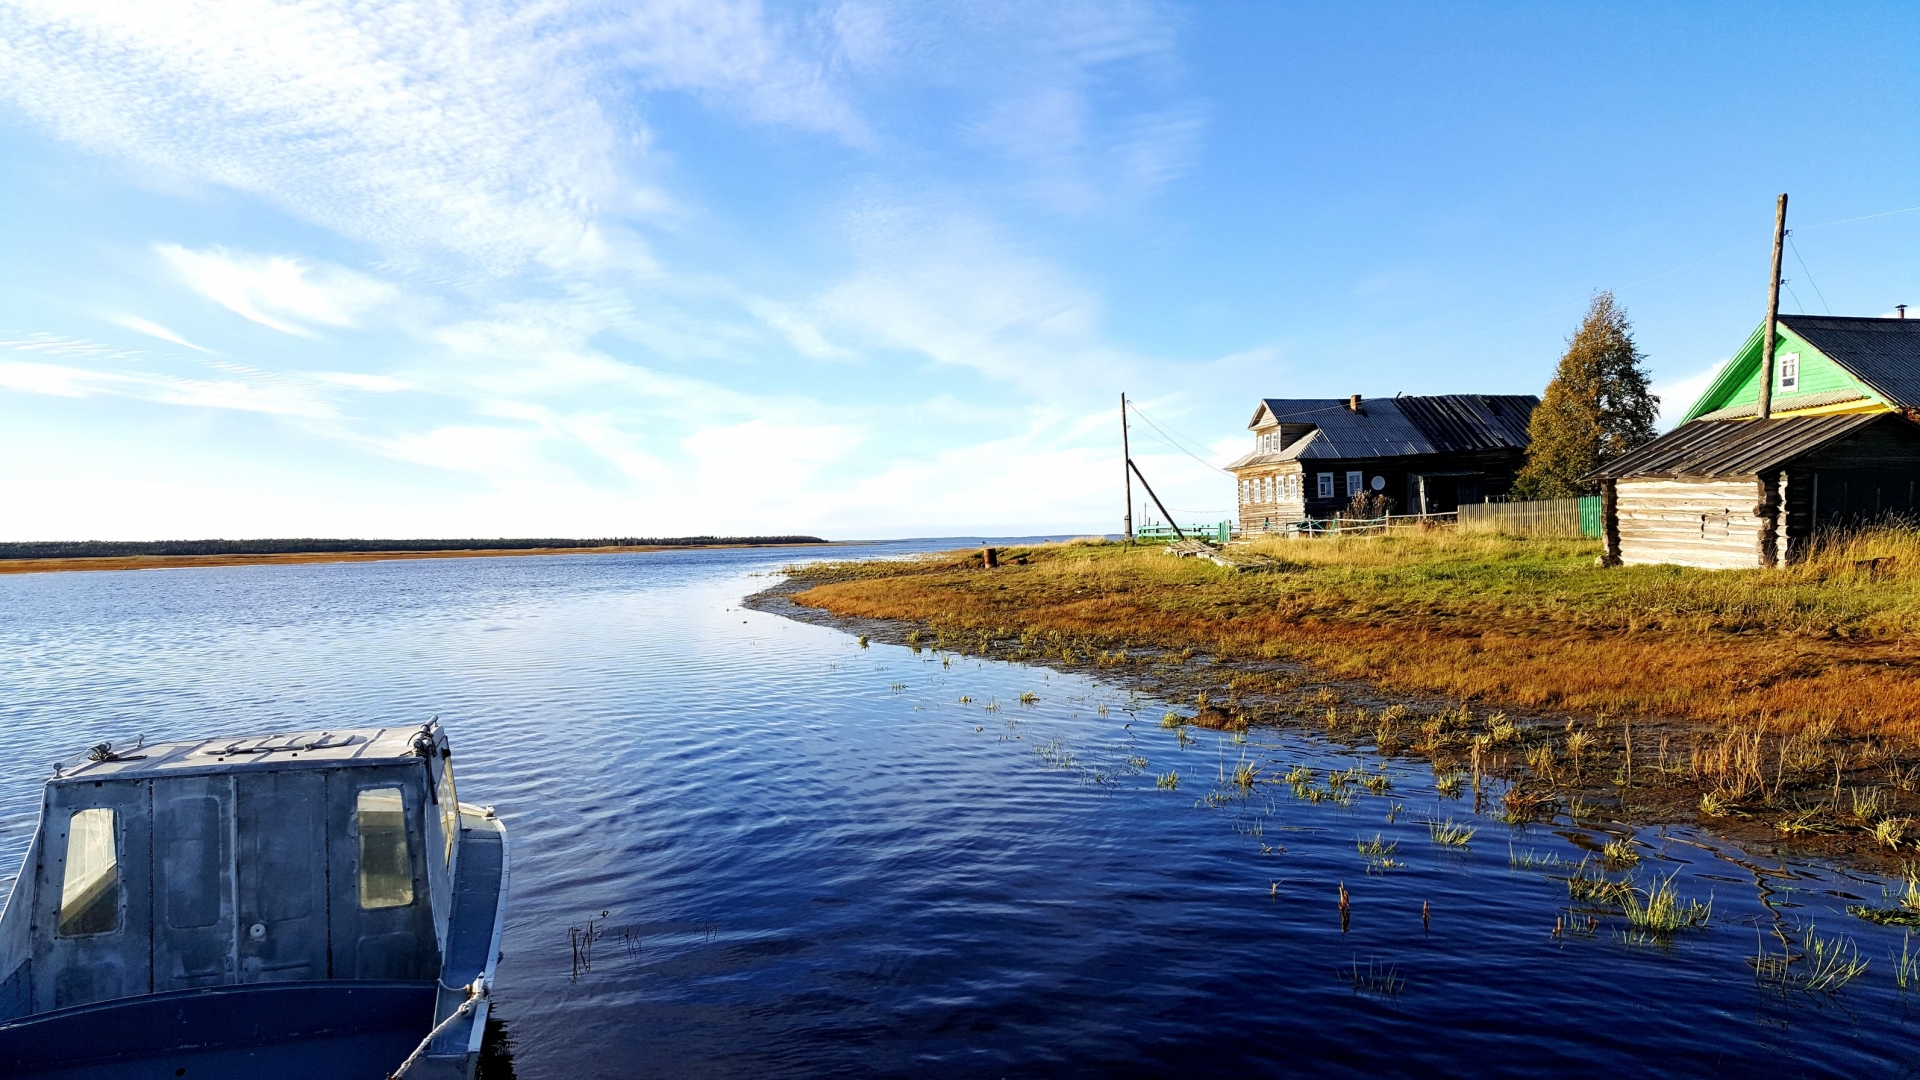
285, 1031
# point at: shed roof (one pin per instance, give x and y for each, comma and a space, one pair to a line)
1712, 448
293, 750
1883, 353
1396, 427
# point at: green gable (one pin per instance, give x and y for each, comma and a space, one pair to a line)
1739, 382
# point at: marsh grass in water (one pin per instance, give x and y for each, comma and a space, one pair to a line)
1823, 964
1533, 860
1658, 908
1620, 853
1901, 908
1450, 833
1374, 980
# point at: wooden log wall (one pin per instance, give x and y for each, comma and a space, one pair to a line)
1280, 511
1705, 523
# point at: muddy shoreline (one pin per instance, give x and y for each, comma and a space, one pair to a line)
1231, 694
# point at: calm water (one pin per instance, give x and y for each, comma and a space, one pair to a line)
815, 859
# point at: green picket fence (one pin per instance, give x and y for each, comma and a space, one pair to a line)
1539, 517
1219, 534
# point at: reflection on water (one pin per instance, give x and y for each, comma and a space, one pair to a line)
747, 846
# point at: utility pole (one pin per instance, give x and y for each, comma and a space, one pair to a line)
1126, 464
1765, 410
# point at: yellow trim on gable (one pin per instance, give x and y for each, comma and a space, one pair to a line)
1863, 405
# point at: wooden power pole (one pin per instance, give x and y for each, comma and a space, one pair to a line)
1126, 464
1773, 312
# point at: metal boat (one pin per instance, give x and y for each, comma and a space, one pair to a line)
317, 904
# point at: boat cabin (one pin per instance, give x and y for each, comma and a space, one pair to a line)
224, 864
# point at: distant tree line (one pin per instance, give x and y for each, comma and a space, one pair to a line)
86, 549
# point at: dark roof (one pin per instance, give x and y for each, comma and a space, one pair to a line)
1399, 426
1454, 422
1883, 353
1709, 448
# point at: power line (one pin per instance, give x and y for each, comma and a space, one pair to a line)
1175, 443
1863, 217
1786, 283
1809, 273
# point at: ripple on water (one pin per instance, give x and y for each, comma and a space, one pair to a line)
815, 860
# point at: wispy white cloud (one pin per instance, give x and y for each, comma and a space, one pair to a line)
946, 286
733, 51
154, 329
61, 380
276, 291
427, 126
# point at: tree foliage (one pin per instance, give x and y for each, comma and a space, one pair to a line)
1597, 408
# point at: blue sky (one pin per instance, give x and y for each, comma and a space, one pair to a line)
867, 268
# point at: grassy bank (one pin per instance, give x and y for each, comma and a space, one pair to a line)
1756, 694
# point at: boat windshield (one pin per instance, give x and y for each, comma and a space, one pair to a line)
386, 872
449, 806
90, 892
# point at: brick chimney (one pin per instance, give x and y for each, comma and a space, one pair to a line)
1353, 403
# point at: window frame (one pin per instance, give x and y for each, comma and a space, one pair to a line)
1356, 482
1325, 482
360, 847
62, 920
1789, 369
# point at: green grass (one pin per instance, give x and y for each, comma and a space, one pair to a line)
1450, 833
1620, 853
1168, 781
1658, 908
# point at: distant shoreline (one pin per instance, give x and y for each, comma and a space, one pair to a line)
17, 565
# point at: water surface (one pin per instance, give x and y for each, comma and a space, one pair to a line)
803, 857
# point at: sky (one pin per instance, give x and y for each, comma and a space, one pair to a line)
868, 269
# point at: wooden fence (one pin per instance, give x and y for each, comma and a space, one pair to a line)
1544, 517
1346, 526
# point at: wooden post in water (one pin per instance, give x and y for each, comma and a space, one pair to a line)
1773, 312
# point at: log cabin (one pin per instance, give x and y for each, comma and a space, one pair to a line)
1729, 489
1425, 455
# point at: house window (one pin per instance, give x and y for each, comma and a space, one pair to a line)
1326, 485
1355, 482
1789, 372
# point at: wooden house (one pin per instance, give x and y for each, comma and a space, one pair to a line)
1426, 455
1728, 489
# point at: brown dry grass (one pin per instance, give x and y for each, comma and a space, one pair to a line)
1780, 705
1469, 617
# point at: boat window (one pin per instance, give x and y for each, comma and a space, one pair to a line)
90, 893
386, 871
449, 805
